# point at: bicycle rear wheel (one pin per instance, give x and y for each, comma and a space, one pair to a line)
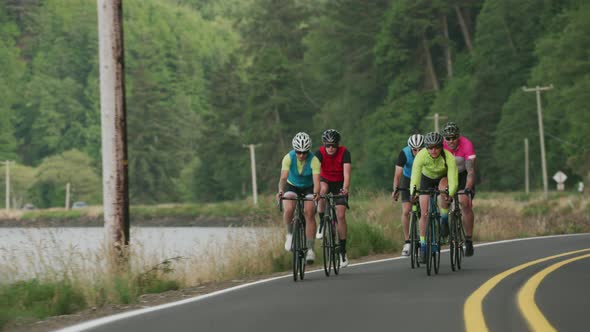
414, 241
296, 248
327, 246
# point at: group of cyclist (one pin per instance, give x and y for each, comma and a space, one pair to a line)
445, 161
312, 174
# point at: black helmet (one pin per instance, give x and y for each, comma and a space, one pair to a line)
331, 136
450, 129
433, 139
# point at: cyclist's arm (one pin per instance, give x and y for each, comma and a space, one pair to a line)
285, 165
315, 171
397, 176
470, 167
452, 173
347, 171
417, 170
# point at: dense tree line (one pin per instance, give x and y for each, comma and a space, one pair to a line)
205, 77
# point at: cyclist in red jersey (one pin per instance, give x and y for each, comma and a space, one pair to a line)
334, 178
462, 149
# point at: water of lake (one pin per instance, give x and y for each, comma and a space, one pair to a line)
30, 252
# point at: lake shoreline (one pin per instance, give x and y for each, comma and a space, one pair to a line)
180, 221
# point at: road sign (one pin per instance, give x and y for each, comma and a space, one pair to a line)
559, 177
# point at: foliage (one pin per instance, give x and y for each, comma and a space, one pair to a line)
205, 77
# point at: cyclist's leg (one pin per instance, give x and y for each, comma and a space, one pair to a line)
468, 219
406, 207
288, 210
324, 188
310, 224
444, 207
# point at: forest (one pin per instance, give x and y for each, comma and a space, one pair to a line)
206, 77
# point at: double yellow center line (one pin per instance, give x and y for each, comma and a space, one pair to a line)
473, 307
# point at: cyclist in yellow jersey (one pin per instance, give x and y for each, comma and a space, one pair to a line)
433, 167
300, 175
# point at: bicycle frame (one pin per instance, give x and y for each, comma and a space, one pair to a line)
433, 238
331, 240
298, 245
456, 232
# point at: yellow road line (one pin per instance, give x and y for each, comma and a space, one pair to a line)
526, 297
473, 307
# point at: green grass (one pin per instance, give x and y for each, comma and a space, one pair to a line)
374, 227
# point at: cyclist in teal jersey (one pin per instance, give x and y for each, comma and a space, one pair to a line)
401, 180
433, 167
300, 175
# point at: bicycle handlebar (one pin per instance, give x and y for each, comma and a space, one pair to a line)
298, 198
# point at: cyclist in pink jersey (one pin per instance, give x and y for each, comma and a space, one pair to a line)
462, 149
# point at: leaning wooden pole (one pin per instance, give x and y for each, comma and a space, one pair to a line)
113, 122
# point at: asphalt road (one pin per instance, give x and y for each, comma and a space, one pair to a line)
389, 295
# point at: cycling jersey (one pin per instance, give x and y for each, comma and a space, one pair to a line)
300, 172
406, 160
463, 152
332, 166
436, 168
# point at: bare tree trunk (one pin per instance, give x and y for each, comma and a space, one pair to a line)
464, 29
448, 59
510, 40
429, 65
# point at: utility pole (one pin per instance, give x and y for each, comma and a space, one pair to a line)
538, 90
67, 196
114, 126
253, 167
526, 165
436, 118
7, 163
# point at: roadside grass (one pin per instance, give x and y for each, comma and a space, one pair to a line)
78, 280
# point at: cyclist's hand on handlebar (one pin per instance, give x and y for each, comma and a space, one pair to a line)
316, 196
344, 192
395, 194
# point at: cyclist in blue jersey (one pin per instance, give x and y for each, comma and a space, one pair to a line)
401, 180
300, 175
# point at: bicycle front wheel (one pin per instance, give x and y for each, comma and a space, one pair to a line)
335, 248
303, 249
296, 248
414, 242
437, 243
327, 246
452, 240
429, 237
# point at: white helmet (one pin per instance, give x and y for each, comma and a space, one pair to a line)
416, 141
301, 142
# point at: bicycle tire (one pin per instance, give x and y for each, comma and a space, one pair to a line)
438, 242
452, 240
327, 246
414, 242
303, 251
335, 248
429, 236
295, 248
461, 240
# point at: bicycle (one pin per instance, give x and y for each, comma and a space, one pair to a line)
456, 232
433, 237
413, 232
330, 240
298, 244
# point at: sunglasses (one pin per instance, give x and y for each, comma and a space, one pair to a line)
416, 149
433, 147
451, 138
331, 145
301, 152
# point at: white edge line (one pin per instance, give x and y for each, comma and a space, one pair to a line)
112, 318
